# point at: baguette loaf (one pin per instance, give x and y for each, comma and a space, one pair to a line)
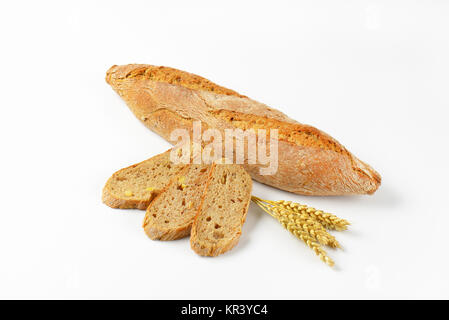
170, 215
136, 186
218, 223
310, 161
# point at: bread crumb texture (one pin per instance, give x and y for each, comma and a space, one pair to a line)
137, 185
171, 214
218, 225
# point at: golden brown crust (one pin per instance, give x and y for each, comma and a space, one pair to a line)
299, 134
115, 202
206, 250
310, 161
168, 75
155, 233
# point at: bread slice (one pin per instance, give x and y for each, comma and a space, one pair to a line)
171, 214
218, 224
136, 186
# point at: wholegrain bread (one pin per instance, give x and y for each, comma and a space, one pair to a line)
310, 161
170, 215
213, 198
136, 186
218, 223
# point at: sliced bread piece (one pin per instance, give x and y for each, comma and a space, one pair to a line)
218, 224
170, 215
136, 186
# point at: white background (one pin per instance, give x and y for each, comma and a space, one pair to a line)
373, 74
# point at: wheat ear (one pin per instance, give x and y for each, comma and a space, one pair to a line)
298, 227
305, 222
327, 220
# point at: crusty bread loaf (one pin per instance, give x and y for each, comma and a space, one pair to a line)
218, 223
136, 186
170, 215
310, 161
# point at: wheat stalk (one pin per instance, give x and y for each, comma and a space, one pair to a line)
302, 226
